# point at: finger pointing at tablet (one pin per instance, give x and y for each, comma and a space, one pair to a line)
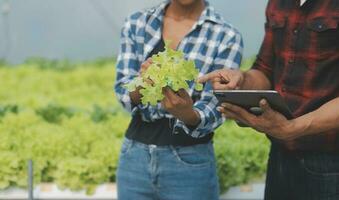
224, 79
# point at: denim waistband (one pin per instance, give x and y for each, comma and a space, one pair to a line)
165, 147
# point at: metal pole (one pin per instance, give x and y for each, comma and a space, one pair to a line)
30, 180
5, 10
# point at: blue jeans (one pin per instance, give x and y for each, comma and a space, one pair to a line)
302, 176
148, 172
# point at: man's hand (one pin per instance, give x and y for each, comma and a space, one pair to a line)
180, 105
270, 122
224, 79
135, 95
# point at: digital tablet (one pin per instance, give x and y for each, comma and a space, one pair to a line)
249, 100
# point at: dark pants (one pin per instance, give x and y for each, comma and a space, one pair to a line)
302, 176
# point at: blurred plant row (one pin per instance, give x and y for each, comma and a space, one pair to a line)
66, 118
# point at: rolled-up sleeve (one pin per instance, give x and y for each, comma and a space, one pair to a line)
229, 56
266, 57
127, 66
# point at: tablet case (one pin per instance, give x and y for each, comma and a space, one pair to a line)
249, 100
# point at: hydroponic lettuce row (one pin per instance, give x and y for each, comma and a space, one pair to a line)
168, 69
77, 145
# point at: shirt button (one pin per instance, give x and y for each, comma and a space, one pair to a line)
291, 61
283, 89
295, 31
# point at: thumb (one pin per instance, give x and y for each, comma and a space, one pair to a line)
146, 63
232, 84
183, 94
149, 61
266, 108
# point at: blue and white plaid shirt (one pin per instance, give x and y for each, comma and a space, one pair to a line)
212, 44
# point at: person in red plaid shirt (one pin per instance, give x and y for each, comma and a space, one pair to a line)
299, 58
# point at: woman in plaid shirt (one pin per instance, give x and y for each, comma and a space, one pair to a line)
168, 153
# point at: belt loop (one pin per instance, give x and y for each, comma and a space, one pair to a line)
132, 142
151, 148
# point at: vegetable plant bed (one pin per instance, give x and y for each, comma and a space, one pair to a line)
49, 191
245, 192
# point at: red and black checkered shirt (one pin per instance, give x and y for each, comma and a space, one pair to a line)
300, 55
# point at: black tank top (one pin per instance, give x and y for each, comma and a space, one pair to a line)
161, 132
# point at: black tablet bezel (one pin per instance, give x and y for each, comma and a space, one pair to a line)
248, 99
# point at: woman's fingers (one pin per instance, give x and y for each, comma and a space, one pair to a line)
145, 65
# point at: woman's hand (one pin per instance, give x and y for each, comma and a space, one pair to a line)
180, 105
135, 95
145, 65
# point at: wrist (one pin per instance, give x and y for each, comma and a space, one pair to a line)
297, 128
302, 125
290, 129
136, 96
191, 118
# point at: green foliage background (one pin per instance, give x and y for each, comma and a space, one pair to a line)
66, 118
